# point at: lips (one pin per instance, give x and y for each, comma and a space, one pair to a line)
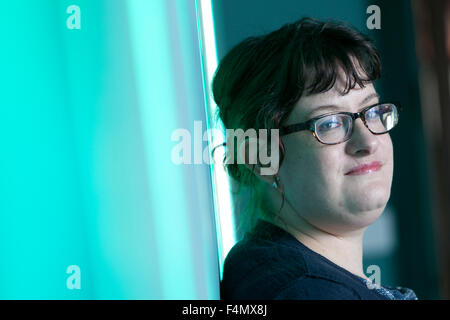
365, 168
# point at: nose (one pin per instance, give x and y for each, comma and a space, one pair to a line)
362, 142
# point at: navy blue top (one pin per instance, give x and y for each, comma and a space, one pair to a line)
269, 263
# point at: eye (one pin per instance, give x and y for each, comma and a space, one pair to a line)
372, 114
331, 123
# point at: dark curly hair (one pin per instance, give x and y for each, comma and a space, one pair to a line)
260, 80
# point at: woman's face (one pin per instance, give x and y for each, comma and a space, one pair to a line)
313, 174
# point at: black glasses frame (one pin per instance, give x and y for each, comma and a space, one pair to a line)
310, 124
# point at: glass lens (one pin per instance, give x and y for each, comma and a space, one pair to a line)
382, 118
333, 128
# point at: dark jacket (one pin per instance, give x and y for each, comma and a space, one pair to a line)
269, 263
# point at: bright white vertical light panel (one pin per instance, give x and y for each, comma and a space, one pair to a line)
221, 185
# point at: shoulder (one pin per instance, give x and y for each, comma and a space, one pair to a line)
260, 270
254, 252
264, 269
315, 288
257, 269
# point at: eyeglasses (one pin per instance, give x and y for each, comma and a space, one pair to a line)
338, 127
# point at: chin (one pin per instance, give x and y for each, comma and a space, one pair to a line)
366, 210
370, 199
353, 220
369, 213
370, 217
356, 222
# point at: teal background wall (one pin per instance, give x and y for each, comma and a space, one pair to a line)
86, 176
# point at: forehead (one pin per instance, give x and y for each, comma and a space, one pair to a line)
351, 102
335, 96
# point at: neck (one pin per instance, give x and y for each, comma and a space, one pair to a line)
343, 249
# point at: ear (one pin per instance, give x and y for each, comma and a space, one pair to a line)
252, 152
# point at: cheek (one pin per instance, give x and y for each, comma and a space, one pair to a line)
328, 171
391, 147
311, 172
386, 140
389, 157
387, 150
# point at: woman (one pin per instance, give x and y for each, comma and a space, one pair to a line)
314, 81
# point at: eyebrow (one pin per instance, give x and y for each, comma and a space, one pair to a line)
333, 107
